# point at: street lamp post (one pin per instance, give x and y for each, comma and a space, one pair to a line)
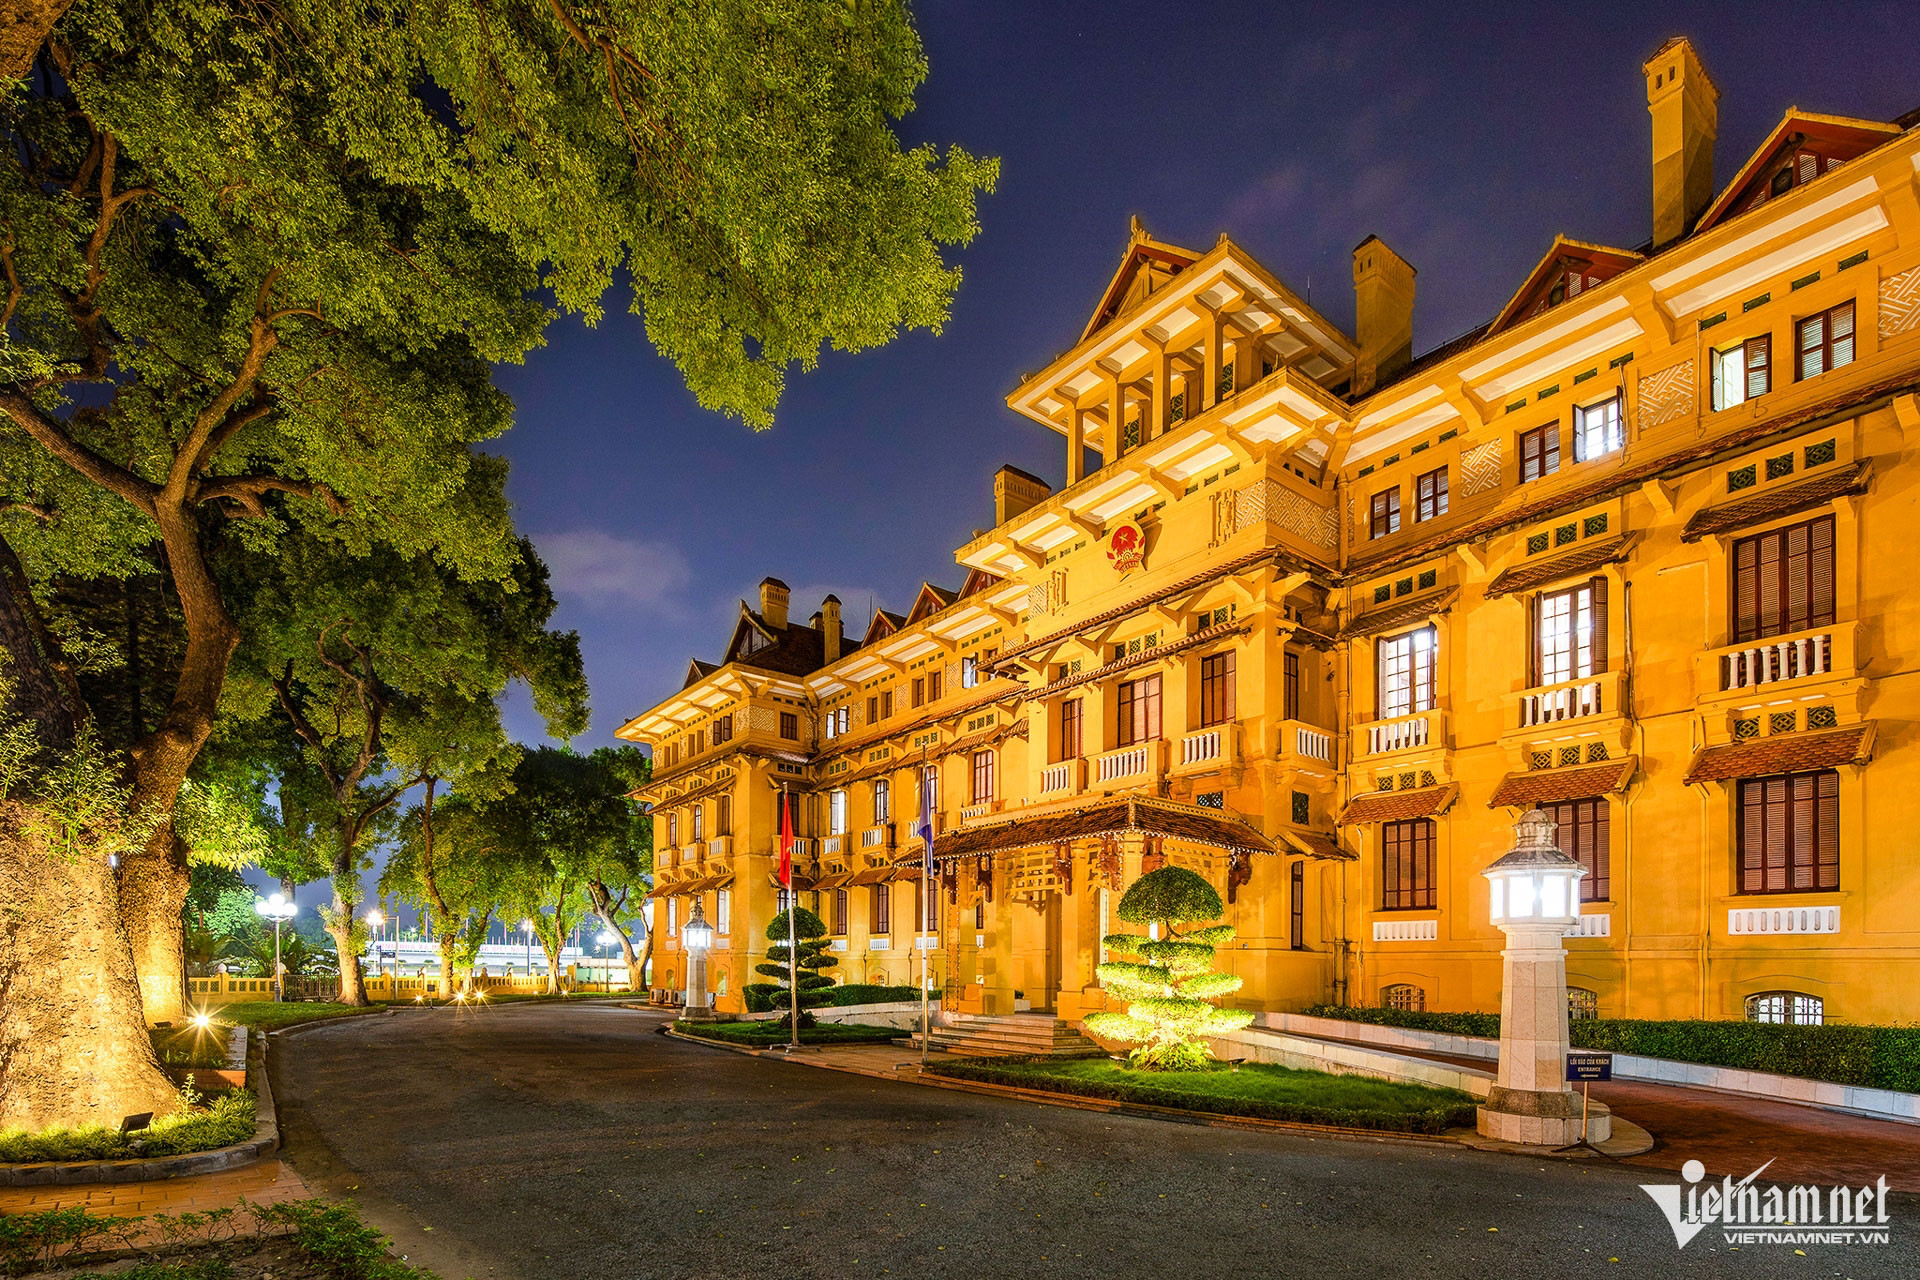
278, 910
374, 920
527, 925
1534, 896
606, 961
696, 937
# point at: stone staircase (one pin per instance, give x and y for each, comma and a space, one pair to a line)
1038, 1035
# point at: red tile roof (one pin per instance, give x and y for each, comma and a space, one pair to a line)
1784, 753
1591, 555
1317, 844
1551, 786
1133, 814
1397, 806
1204, 636
1403, 613
1780, 500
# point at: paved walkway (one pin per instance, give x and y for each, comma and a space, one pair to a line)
1735, 1133
268, 1182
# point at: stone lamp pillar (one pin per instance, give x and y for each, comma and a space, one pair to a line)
1534, 896
696, 936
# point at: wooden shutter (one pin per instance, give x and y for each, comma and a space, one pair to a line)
1827, 831
1746, 589
1297, 905
1529, 455
1228, 711
1533, 641
1840, 336
1759, 356
1820, 572
1813, 332
1598, 597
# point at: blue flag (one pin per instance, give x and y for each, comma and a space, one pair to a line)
924, 828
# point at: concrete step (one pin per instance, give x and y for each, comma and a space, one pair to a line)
1022, 1035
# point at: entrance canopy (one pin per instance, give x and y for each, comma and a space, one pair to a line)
1132, 815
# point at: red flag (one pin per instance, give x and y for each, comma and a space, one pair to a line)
786, 843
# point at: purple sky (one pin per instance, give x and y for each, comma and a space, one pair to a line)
1466, 136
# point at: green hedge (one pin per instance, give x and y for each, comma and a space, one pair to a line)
851, 993
1836, 1052
1456, 1111
764, 1035
228, 1120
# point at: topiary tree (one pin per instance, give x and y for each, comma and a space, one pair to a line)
1171, 989
814, 957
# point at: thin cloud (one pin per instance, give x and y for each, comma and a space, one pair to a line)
598, 569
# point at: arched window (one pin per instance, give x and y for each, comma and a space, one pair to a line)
1582, 1003
1404, 995
1787, 1006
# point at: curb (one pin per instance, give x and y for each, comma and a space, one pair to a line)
265, 1141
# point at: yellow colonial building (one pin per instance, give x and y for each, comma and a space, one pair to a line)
1319, 619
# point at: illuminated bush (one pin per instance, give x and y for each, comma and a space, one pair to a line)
1171, 985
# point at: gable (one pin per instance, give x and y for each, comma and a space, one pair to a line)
978, 580
883, 625
749, 637
1147, 267
1569, 269
1802, 147
931, 600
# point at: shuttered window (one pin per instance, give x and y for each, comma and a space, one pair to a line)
1297, 906
789, 725
919, 691
1406, 864
723, 816
933, 686
1138, 706
1539, 452
1216, 689
1790, 833
1742, 373
840, 911
1583, 835
982, 777
699, 813
1569, 634
1783, 580
882, 801
1406, 673
1386, 513
882, 909
1826, 340
1430, 495
1070, 729
1290, 687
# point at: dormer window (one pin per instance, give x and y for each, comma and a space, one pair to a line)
1796, 167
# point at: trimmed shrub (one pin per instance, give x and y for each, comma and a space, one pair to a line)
228, 1120
814, 956
1839, 1053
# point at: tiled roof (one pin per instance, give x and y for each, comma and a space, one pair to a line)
1784, 753
1780, 500
1551, 786
987, 738
1411, 610
1630, 477
1534, 573
1206, 635
1139, 815
1012, 690
1317, 844
1398, 806
1184, 585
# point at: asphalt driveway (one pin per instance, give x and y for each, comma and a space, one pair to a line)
548, 1141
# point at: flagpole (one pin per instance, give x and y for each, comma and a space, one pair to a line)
793, 908
926, 905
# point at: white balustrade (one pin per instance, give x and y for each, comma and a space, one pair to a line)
1600, 926
1561, 702
874, 837
1751, 920
1397, 735
1406, 930
1202, 747
1313, 743
1058, 777
833, 844
1128, 762
1767, 662
719, 847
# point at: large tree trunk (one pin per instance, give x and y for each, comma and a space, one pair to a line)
601, 900
553, 964
353, 990
24, 27
153, 880
447, 942
73, 1042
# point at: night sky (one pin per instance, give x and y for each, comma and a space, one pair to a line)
1465, 136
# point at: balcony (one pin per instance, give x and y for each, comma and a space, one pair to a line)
1569, 700
1309, 745
1755, 920
1799, 655
831, 845
803, 847
1141, 764
1209, 749
879, 836
975, 812
719, 846
1419, 731
1067, 777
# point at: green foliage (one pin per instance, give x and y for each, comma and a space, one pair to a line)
1456, 1024
251, 947
1170, 895
1255, 1089
269, 1016
774, 1031
32, 1241
814, 957
1170, 1014
230, 1119
221, 824
761, 996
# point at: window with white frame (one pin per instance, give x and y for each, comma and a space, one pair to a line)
1792, 1007
1569, 633
1597, 429
722, 910
837, 813
882, 801
969, 672
1406, 673
1742, 372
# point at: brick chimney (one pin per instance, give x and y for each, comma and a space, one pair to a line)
1683, 102
1382, 314
773, 602
1015, 491
830, 627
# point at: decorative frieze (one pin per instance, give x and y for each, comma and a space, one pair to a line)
1666, 395
1900, 303
1480, 469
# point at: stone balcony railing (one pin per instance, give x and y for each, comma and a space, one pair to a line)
1419, 731
1798, 655
1308, 744
1211, 748
719, 846
831, 845
1066, 777
1569, 700
878, 836
1141, 764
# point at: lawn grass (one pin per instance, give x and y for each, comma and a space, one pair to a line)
269, 1016
1256, 1089
190, 1046
765, 1035
227, 1120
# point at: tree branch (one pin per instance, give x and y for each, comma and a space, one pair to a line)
53, 437
246, 493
